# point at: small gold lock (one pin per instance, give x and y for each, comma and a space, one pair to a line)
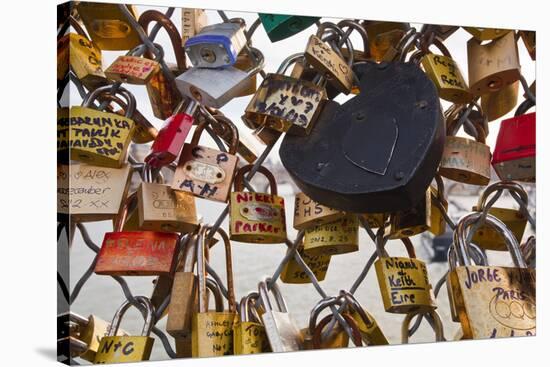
334, 238
308, 213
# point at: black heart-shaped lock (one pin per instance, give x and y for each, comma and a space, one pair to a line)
379, 151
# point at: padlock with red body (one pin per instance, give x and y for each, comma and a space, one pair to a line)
514, 157
171, 137
136, 252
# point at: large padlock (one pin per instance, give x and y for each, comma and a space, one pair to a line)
284, 103
499, 103
410, 222
134, 69
101, 138
494, 65
215, 87
335, 338
91, 193
216, 45
514, 157
403, 282
308, 213
384, 37
280, 327
446, 75
371, 333
464, 159
192, 21
119, 349
212, 332
492, 301
486, 34
293, 273
163, 209
206, 172
437, 326
279, 27
515, 220
334, 238
249, 335
256, 217
136, 253
163, 93
388, 155
439, 207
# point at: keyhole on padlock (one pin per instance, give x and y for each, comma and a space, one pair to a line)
208, 55
188, 167
245, 210
219, 175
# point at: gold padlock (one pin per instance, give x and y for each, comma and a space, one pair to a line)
336, 338
245, 62
413, 221
494, 65
334, 238
486, 237
249, 335
499, 103
384, 37
293, 273
403, 281
308, 213
438, 224
486, 34
256, 217
134, 69
371, 333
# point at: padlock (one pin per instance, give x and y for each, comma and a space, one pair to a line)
375, 220
383, 37
465, 160
487, 34
249, 335
437, 327
284, 103
327, 61
85, 60
206, 172
388, 165
212, 332
336, 338
529, 251
499, 103
293, 273
514, 157
515, 220
492, 301
256, 217
446, 75
101, 138
63, 56
244, 149
334, 238
308, 213
215, 87
412, 221
108, 25
494, 65
264, 134
192, 21
91, 193
363, 55
279, 27
371, 333
245, 62
216, 45
136, 253
119, 349
529, 40
133, 69
403, 282
439, 206
280, 327
163, 93
336, 343
444, 31
163, 209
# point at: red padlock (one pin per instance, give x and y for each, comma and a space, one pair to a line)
514, 157
170, 139
136, 253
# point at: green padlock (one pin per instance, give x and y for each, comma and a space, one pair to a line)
278, 27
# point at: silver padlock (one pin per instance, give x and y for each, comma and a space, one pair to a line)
215, 87
216, 45
281, 330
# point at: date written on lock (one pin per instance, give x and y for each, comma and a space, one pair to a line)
132, 69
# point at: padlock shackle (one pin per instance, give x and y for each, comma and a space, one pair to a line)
457, 116
123, 214
356, 306
524, 107
461, 236
362, 32
291, 59
355, 332
247, 308
106, 89
334, 29
228, 124
409, 247
149, 316
79, 319
479, 257
214, 288
142, 48
78, 28
438, 327
156, 16
440, 187
511, 186
239, 178
319, 307
190, 253
264, 296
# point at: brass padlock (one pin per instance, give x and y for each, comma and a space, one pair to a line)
245, 62
212, 332
492, 301
334, 238
308, 213
264, 134
371, 333
413, 221
465, 160
439, 205
101, 138
119, 349
163, 209
384, 37
249, 335
499, 103
515, 220
494, 65
437, 327
403, 282
256, 217
133, 69
486, 34
192, 21
336, 338
108, 25
293, 273
206, 172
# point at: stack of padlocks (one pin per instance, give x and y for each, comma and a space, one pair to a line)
367, 163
